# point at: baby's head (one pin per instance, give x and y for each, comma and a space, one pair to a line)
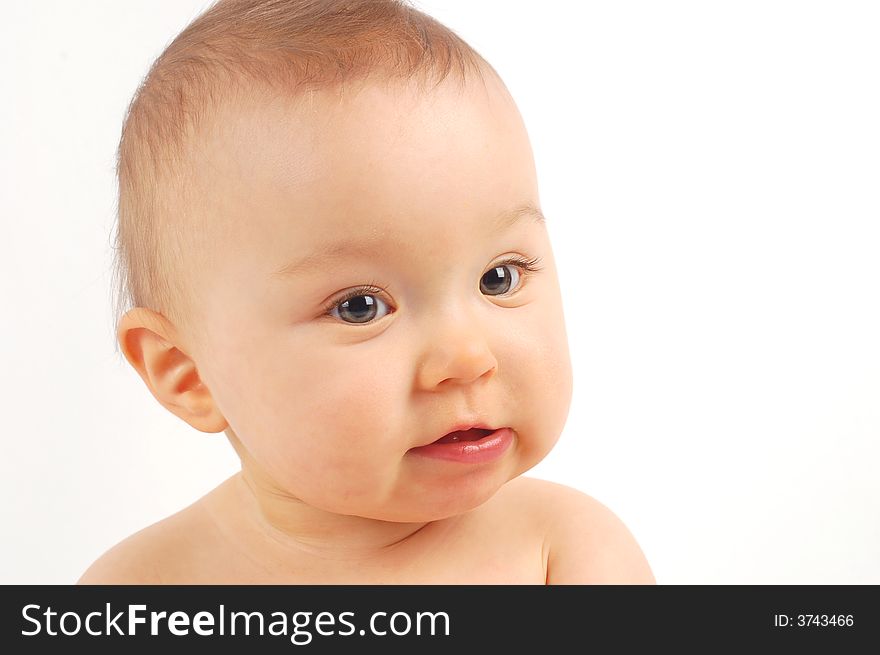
331, 238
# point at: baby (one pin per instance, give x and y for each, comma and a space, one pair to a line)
332, 240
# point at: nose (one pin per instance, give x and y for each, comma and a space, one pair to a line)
457, 352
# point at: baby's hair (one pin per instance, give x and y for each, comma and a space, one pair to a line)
288, 47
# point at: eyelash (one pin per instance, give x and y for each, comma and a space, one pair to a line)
528, 266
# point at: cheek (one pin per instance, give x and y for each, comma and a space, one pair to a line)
346, 386
540, 368
337, 404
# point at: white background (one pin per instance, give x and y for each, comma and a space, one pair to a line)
711, 176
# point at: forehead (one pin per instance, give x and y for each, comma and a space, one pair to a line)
285, 176
344, 247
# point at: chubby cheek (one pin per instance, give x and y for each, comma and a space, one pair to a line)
541, 368
327, 424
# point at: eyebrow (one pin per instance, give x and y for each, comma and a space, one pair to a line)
367, 247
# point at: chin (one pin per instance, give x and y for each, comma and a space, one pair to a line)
450, 503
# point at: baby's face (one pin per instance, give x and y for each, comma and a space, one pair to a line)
400, 203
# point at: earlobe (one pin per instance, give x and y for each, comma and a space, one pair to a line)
148, 340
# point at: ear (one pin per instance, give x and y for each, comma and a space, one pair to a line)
150, 344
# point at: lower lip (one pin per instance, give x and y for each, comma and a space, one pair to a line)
487, 449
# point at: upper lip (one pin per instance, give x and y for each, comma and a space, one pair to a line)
461, 426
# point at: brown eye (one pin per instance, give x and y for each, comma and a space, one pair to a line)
499, 280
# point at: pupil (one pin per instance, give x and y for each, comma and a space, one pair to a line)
357, 306
496, 280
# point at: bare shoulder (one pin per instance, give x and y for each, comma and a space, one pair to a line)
585, 542
151, 555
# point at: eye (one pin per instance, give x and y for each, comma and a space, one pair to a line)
361, 305
358, 306
506, 275
499, 281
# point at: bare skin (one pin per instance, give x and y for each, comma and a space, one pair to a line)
324, 413
222, 539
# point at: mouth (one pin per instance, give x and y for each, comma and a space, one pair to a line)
472, 445
471, 434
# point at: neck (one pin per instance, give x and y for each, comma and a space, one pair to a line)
297, 527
